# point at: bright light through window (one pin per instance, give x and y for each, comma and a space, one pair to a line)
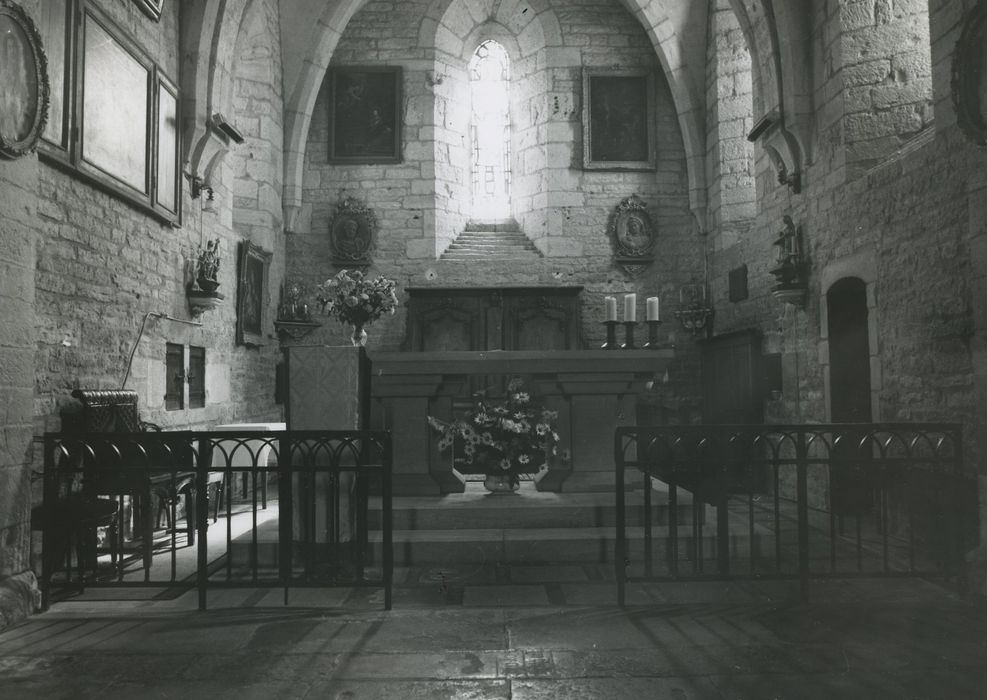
490, 129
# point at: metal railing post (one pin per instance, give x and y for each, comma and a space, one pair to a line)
802, 489
620, 554
387, 521
202, 517
285, 511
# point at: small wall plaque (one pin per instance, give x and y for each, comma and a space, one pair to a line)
632, 235
352, 233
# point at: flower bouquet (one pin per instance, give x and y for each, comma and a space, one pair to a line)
506, 438
355, 299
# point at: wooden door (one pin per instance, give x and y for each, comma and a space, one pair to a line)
849, 352
731, 371
852, 482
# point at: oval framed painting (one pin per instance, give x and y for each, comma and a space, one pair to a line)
23, 82
970, 75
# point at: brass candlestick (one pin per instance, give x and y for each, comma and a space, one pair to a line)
629, 335
611, 343
652, 343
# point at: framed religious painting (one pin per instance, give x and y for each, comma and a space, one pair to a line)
618, 119
24, 89
252, 294
152, 8
970, 75
365, 117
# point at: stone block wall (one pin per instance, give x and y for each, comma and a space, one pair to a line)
900, 220
422, 203
81, 271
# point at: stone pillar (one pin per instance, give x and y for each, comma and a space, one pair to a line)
18, 241
976, 443
328, 389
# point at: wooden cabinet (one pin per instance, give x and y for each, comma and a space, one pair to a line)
528, 318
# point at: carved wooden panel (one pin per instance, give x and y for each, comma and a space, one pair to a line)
529, 318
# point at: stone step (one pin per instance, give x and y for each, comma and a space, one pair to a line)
502, 241
522, 545
478, 509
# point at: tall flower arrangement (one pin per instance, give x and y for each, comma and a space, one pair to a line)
354, 298
510, 437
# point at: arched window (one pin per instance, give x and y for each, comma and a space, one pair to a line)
490, 131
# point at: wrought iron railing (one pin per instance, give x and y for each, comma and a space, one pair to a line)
792, 501
164, 510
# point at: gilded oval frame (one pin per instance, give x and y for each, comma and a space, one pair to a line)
24, 89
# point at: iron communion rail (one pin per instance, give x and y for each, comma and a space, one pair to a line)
793, 502
106, 494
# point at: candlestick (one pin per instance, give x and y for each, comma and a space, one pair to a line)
652, 343
610, 305
630, 308
654, 309
611, 343
629, 335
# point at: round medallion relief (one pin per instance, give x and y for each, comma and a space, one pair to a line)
970, 75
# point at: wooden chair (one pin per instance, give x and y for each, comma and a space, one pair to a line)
157, 473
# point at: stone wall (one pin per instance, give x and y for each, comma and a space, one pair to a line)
81, 270
420, 200
902, 224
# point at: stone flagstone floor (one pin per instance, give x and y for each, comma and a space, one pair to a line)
524, 633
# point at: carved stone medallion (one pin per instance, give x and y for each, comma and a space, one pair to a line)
970, 75
632, 235
352, 233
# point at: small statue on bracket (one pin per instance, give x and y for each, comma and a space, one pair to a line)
207, 267
792, 267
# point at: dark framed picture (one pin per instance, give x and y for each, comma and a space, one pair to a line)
970, 75
115, 143
365, 114
24, 89
618, 120
152, 8
251, 294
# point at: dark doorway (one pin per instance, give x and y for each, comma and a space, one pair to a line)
849, 352
732, 390
851, 487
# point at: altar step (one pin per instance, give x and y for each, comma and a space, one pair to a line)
501, 241
529, 527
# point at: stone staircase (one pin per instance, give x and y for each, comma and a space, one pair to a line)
500, 240
529, 527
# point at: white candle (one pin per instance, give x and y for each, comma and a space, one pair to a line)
610, 303
630, 307
654, 312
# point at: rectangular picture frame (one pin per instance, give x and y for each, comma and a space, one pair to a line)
252, 297
365, 114
618, 119
151, 8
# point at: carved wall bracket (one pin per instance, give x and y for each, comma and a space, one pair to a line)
782, 148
